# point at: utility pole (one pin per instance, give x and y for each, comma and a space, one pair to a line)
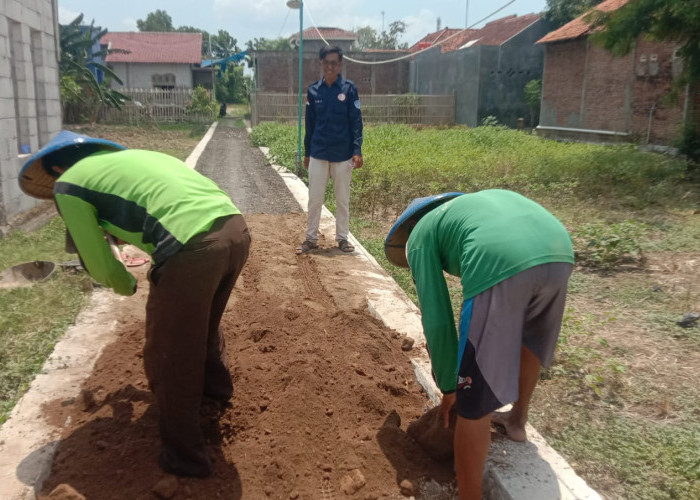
382, 21
466, 16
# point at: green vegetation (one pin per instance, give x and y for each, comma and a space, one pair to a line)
33, 319
622, 398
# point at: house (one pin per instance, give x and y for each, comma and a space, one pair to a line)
486, 69
590, 94
153, 60
434, 38
30, 100
314, 38
278, 71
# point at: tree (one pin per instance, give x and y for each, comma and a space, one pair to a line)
233, 86
560, 12
269, 44
368, 38
533, 96
81, 53
156, 21
675, 21
223, 45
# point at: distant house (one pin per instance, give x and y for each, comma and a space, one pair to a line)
314, 38
434, 38
278, 71
590, 94
486, 69
157, 60
30, 101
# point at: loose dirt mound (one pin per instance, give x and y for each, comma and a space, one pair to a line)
321, 389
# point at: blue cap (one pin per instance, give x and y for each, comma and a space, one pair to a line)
395, 243
36, 179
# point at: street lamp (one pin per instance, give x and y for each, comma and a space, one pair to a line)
299, 4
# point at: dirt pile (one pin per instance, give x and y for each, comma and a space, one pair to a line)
321, 389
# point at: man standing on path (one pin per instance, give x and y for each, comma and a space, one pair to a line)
332, 146
199, 243
514, 259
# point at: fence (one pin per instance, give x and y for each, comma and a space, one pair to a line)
401, 108
155, 105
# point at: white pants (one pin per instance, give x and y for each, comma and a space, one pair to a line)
341, 173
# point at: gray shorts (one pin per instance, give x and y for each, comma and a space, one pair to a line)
523, 310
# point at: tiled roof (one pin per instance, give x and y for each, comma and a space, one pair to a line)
327, 33
154, 47
494, 33
433, 38
579, 27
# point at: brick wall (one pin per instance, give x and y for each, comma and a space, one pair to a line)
586, 87
278, 72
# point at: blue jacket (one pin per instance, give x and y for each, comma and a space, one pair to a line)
333, 121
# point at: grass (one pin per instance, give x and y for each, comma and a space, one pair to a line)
622, 400
33, 319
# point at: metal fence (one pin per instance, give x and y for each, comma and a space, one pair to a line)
155, 105
400, 108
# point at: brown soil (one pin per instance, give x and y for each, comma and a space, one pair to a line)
323, 393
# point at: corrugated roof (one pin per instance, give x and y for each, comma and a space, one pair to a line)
327, 33
155, 47
579, 27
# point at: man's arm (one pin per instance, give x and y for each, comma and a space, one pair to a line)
355, 124
310, 124
89, 238
436, 313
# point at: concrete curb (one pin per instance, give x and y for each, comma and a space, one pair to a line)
522, 471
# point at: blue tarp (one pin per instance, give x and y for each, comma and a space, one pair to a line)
235, 58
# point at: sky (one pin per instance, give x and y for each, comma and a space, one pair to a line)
248, 19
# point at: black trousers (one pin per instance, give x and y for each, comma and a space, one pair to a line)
184, 355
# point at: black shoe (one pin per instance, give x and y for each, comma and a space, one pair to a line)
179, 468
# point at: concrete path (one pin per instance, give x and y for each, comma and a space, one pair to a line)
515, 471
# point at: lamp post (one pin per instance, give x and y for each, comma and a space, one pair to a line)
299, 4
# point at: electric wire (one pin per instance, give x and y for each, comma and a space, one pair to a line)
387, 61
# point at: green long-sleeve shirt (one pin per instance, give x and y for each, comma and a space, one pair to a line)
483, 238
148, 199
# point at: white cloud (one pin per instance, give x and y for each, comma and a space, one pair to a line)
419, 25
65, 16
264, 7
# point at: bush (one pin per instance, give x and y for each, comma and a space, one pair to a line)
606, 246
202, 102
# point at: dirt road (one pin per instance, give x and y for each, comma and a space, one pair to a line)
323, 392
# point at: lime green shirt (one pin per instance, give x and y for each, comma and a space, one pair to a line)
483, 238
148, 199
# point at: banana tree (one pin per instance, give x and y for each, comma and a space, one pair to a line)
80, 63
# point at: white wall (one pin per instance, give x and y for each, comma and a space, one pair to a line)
30, 102
138, 75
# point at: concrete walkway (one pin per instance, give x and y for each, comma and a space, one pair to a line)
529, 470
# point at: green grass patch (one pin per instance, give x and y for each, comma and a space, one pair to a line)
32, 319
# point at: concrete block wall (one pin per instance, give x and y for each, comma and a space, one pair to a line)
30, 105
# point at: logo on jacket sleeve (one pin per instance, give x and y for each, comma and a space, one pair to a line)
357, 104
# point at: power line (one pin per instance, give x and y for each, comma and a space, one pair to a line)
313, 23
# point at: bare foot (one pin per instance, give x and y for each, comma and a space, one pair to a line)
515, 431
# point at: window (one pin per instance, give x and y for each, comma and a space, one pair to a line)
164, 82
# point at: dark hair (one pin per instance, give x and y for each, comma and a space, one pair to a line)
330, 49
68, 156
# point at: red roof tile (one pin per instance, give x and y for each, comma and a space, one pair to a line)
494, 33
579, 27
433, 38
327, 33
154, 47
